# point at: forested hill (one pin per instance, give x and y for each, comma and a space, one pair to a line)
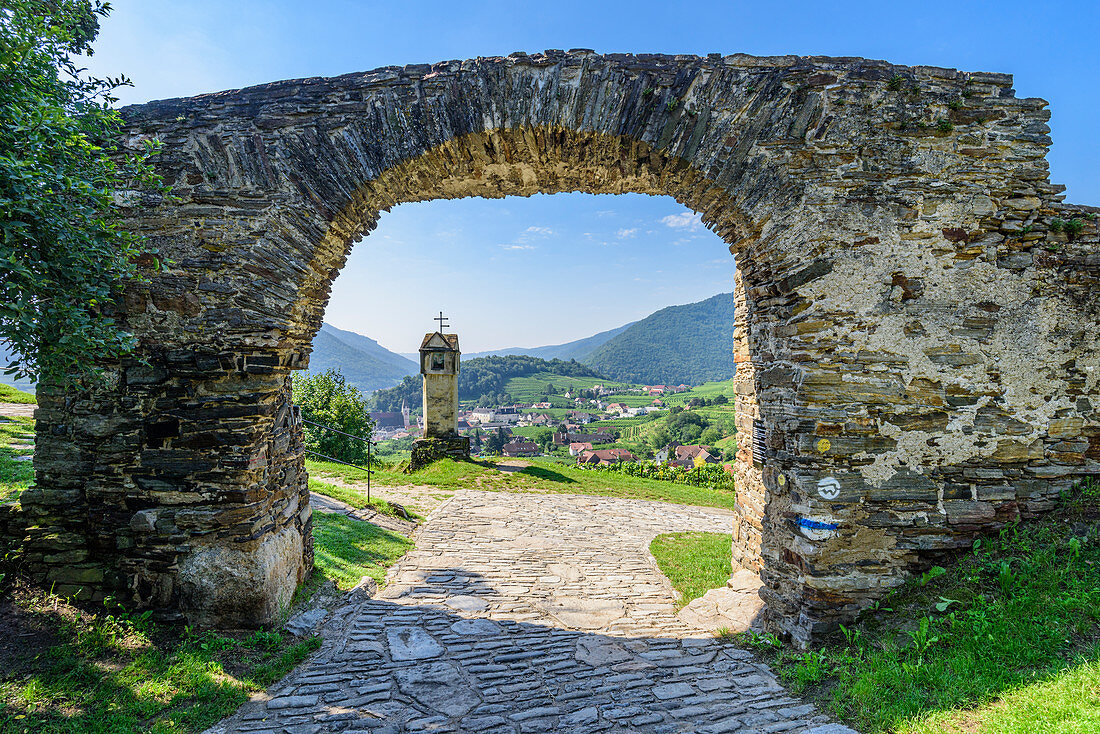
578, 349
364, 362
480, 377
692, 344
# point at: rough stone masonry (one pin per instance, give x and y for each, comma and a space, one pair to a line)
916, 329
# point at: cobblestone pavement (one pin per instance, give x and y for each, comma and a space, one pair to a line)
530, 613
17, 410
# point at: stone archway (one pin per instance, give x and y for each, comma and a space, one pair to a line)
913, 368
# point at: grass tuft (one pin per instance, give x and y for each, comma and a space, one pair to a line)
16, 437
694, 563
9, 394
346, 550
68, 671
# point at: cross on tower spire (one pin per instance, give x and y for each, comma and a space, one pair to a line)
441, 318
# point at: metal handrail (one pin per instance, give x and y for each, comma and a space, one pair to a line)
367, 441
334, 430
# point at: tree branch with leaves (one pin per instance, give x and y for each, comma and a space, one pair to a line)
65, 257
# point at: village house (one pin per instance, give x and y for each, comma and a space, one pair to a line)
685, 455
605, 456
579, 447
520, 448
508, 414
618, 408
480, 415
655, 389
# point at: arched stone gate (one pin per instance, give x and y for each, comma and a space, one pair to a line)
915, 366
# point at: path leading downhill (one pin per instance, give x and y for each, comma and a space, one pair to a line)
530, 613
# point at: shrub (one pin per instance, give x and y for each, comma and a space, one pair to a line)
326, 398
712, 476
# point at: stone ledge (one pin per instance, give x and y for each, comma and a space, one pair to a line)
427, 450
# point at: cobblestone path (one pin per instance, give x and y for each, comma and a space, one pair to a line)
530, 613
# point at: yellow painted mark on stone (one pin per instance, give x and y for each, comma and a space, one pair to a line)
782, 480
824, 445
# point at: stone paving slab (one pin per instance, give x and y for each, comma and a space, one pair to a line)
17, 410
520, 613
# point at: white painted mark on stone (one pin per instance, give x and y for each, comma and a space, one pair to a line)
829, 488
817, 528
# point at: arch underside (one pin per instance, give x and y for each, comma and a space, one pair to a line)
919, 372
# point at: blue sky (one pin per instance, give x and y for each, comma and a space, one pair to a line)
497, 266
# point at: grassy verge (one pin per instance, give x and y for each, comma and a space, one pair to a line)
346, 550
67, 671
15, 476
1005, 641
541, 476
695, 563
9, 394
358, 498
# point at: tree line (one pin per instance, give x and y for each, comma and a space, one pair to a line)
483, 380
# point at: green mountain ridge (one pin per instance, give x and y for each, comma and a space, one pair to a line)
364, 362
577, 349
692, 343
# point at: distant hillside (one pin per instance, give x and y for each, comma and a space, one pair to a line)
577, 350
5, 360
691, 343
482, 378
364, 362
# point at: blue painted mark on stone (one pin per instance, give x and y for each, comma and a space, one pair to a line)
805, 522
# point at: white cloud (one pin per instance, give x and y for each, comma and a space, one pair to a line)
544, 231
690, 221
518, 247
624, 233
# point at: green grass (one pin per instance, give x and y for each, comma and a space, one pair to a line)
526, 431
1005, 641
545, 475
709, 390
15, 476
346, 550
107, 673
9, 394
84, 673
357, 498
695, 563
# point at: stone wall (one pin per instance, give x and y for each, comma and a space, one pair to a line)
916, 344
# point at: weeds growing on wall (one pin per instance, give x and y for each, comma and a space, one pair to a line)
1006, 637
